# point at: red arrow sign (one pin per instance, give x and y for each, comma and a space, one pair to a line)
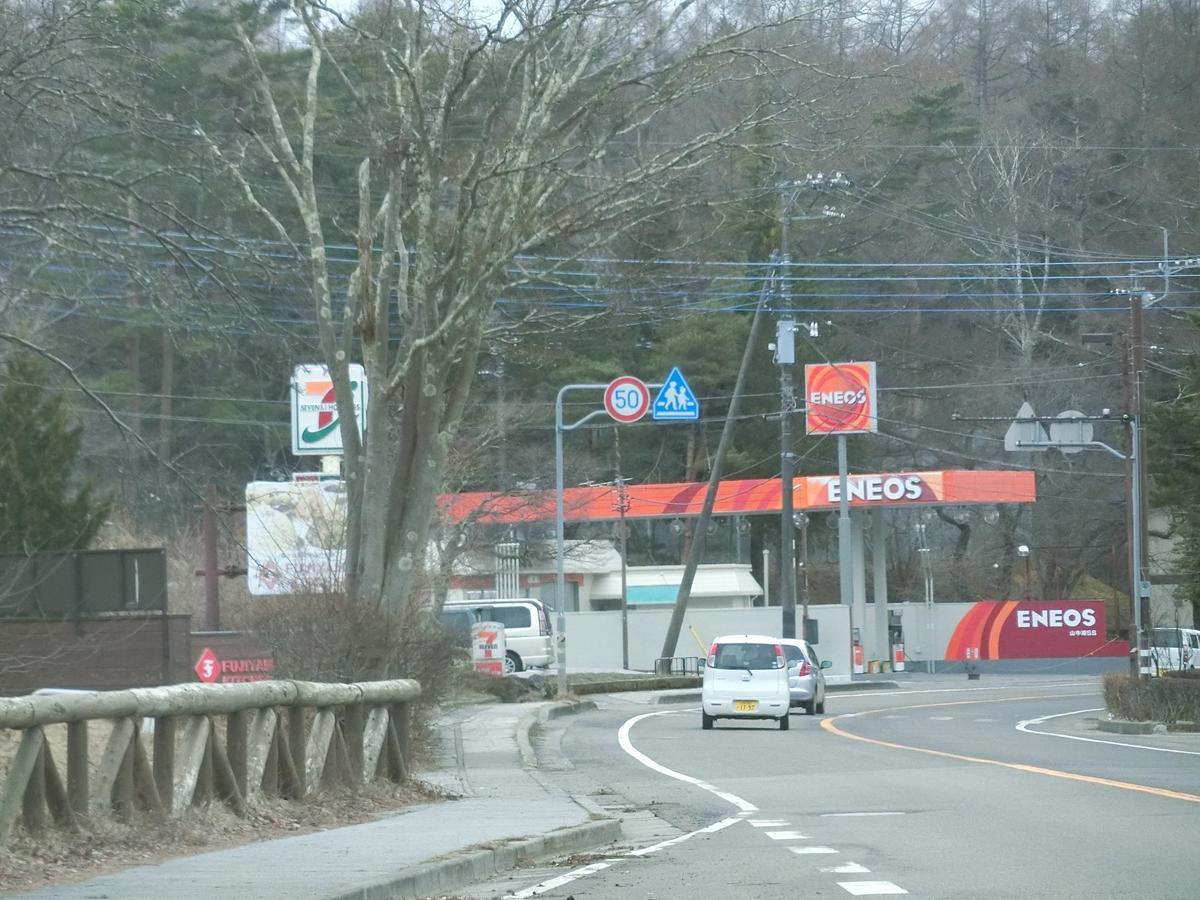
208, 666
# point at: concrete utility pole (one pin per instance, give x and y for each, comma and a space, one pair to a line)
785, 358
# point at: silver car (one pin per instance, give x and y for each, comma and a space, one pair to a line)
806, 680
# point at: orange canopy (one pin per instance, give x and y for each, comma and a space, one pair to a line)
951, 487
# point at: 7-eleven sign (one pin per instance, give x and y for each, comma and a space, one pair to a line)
208, 666
315, 427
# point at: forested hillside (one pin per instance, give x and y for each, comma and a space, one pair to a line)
485, 204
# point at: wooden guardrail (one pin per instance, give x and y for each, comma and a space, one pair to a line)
232, 742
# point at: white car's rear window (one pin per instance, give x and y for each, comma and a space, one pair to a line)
746, 656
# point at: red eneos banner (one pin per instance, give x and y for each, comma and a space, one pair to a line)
1044, 629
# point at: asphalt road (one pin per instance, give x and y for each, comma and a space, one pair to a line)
999, 788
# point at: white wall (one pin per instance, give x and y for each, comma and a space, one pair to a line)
594, 638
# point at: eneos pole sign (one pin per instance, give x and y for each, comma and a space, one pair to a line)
839, 398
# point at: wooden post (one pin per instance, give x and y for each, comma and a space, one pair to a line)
374, 734
56, 795
77, 766
109, 771
223, 776
354, 725
191, 761
32, 741
237, 727
144, 783
122, 794
33, 805
296, 721
316, 753
164, 761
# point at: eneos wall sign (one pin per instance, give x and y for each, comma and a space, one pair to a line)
839, 398
1043, 629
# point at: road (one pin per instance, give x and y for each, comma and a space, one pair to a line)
948, 789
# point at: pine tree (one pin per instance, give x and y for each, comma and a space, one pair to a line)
44, 507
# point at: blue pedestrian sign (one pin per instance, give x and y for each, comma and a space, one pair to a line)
675, 401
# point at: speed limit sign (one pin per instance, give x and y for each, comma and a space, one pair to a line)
626, 399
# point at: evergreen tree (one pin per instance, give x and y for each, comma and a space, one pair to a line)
44, 507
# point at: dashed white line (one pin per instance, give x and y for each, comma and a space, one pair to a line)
768, 823
809, 849
941, 718
870, 888
848, 869
786, 836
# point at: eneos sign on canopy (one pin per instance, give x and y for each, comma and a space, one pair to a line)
839, 398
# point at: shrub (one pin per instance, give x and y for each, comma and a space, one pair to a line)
1167, 700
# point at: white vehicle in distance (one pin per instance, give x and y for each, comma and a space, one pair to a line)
745, 677
806, 681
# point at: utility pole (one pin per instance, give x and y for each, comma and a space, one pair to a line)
622, 508
785, 358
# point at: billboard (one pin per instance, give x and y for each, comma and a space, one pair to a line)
315, 428
1037, 629
295, 536
839, 398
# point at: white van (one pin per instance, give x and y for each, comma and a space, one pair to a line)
526, 628
1175, 649
745, 677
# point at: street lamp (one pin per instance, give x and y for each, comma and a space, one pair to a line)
1023, 552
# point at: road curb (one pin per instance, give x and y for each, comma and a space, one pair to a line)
531, 720
1120, 726
435, 878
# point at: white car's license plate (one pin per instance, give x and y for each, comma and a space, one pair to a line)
745, 706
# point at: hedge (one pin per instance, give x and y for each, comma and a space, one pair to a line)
1168, 700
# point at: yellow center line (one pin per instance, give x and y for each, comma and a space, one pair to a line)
828, 725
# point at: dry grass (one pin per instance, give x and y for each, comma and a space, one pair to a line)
104, 845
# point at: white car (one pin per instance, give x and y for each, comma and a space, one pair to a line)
745, 677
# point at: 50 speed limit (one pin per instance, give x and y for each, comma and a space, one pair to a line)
626, 399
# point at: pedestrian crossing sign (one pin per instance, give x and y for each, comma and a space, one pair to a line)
675, 401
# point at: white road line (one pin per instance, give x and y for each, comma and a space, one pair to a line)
999, 687
593, 868
786, 836
559, 881
1025, 726
840, 815
809, 849
627, 745
870, 888
768, 823
848, 869
941, 718
679, 839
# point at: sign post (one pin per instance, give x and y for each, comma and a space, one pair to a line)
626, 400
840, 398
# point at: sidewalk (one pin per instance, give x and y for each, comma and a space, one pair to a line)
504, 815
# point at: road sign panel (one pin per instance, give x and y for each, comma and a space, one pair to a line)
208, 666
1068, 430
626, 399
1025, 436
675, 400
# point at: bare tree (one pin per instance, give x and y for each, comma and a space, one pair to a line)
479, 141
